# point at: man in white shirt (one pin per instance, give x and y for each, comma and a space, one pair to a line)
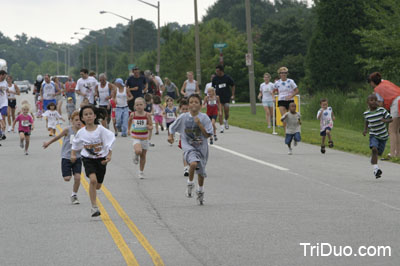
86, 85
208, 85
3, 102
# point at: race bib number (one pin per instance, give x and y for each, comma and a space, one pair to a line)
25, 123
71, 138
212, 102
170, 115
327, 122
221, 86
140, 123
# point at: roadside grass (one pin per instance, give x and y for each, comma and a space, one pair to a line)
344, 138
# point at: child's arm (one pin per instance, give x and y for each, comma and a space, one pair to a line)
56, 138
149, 122
129, 94
387, 120
108, 158
203, 130
365, 128
73, 156
204, 101
60, 117
130, 121
15, 121
319, 114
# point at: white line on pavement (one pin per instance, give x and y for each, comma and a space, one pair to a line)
250, 158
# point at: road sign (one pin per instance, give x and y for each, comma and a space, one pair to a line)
248, 59
220, 45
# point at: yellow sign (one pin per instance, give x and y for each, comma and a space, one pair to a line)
278, 114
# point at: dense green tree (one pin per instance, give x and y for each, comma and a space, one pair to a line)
16, 71
31, 70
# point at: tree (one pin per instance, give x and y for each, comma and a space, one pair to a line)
381, 39
331, 57
31, 71
17, 72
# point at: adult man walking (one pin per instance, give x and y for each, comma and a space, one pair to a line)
137, 85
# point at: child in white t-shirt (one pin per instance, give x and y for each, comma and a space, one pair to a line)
326, 117
52, 117
292, 123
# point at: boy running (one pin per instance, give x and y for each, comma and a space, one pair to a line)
194, 128
326, 117
291, 122
375, 119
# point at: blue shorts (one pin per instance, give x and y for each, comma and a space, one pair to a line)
268, 103
3, 111
290, 137
377, 143
323, 133
46, 102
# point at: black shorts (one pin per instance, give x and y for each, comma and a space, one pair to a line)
168, 124
106, 108
285, 104
213, 117
94, 166
25, 133
12, 103
69, 169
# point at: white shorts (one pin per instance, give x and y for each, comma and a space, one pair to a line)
394, 108
144, 143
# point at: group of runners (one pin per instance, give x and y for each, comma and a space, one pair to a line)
136, 106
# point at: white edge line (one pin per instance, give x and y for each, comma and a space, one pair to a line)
250, 158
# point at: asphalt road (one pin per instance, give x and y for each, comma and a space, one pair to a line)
260, 204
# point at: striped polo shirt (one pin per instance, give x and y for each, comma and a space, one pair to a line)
139, 127
376, 126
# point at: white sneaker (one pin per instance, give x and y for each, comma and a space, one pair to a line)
9, 129
189, 190
136, 159
26, 153
221, 130
186, 171
74, 200
95, 211
226, 124
200, 197
290, 151
141, 175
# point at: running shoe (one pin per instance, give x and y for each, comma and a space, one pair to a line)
211, 141
95, 211
215, 138
157, 133
295, 143
9, 129
26, 153
151, 144
186, 171
200, 197
378, 173
162, 128
221, 130
189, 190
330, 144
290, 151
322, 149
226, 124
136, 159
21, 143
3, 137
116, 134
141, 175
74, 200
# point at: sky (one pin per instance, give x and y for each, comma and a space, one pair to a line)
57, 20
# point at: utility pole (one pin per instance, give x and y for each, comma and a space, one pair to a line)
250, 59
158, 41
197, 44
131, 36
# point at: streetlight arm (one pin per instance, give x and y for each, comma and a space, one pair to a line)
104, 12
144, 2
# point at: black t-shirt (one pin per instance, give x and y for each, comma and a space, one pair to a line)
152, 87
139, 82
223, 86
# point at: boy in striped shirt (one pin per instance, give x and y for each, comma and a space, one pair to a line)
375, 120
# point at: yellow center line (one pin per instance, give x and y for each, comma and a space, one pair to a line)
112, 229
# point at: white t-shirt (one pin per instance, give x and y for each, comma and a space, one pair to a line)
93, 144
87, 87
266, 90
326, 118
208, 85
285, 88
49, 90
3, 94
159, 80
52, 118
103, 93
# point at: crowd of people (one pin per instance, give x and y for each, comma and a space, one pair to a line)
144, 104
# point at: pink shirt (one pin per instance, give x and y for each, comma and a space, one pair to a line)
25, 123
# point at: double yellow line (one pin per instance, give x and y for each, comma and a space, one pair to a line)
126, 252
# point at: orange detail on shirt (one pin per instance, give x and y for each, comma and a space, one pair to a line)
388, 91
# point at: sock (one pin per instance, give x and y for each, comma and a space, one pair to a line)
201, 189
141, 172
376, 167
190, 182
73, 194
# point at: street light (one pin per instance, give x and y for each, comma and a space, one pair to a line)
54, 51
197, 43
131, 31
90, 61
83, 51
97, 66
158, 33
105, 50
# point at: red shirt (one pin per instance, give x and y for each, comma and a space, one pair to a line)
70, 86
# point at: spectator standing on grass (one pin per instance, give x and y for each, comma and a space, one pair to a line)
267, 98
388, 95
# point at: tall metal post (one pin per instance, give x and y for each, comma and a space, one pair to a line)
197, 44
105, 52
131, 36
250, 52
158, 41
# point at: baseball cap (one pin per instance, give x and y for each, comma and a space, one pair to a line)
69, 98
120, 81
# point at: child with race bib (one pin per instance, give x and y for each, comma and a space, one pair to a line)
95, 143
326, 118
25, 126
194, 128
139, 124
212, 102
291, 122
169, 112
69, 169
52, 117
158, 110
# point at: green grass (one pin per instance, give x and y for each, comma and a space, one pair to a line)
345, 139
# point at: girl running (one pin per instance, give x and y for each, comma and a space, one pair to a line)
13, 90
52, 117
158, 110
95, 143
139, 124
212, 102
25, 127
194, 127
67, 168
169, 112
